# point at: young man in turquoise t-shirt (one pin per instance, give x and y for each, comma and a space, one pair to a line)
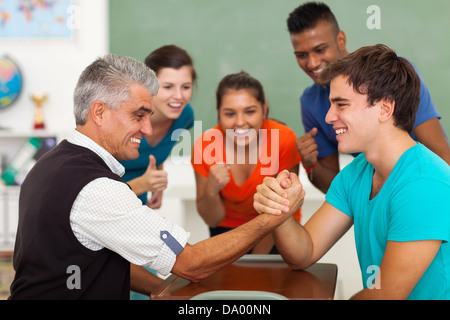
395, 192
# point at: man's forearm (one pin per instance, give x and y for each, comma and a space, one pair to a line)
214, 253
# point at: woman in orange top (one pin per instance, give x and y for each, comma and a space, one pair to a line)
233, 158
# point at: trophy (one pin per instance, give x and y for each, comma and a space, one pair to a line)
39, 99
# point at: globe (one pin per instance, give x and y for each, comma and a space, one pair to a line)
10, 81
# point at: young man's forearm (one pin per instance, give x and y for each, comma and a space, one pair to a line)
294, 244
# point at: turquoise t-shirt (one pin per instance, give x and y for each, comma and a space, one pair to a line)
137, 167
413, 204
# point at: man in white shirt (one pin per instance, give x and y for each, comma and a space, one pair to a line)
113, 107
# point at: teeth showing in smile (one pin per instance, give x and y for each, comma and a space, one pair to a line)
241, 131
135, 140
339, 131
175, 105
319, 71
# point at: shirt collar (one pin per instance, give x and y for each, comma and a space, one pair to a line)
84, 141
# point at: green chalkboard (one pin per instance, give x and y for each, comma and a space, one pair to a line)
226, 36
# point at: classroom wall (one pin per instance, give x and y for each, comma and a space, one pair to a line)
222, 37
227, 36
53, 66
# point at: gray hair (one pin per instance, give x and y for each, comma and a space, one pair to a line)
108, 79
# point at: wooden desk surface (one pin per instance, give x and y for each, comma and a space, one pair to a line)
257, 273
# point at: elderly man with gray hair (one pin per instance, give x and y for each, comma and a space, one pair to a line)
78, 218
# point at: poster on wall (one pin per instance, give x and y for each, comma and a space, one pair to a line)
37, 19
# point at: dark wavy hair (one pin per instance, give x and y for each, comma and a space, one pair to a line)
380, 73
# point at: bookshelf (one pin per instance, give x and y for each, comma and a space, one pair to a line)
11, 142
6, 274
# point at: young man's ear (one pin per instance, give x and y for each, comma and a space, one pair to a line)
387, 107
97, 111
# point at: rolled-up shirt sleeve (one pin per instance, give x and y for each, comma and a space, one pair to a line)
107, 214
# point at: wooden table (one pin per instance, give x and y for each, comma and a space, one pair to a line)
257, 273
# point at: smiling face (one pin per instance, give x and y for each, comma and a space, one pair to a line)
353, 118
174, 93
122, 130
317, 47
241, 112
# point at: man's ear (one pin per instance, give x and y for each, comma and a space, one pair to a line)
387, 107
97, 111
342, 41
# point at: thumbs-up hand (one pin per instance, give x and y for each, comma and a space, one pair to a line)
307, 147
156, 180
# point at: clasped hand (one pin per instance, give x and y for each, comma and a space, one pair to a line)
279, 195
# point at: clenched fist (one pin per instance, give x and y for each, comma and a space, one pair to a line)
307, 147
219, 176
